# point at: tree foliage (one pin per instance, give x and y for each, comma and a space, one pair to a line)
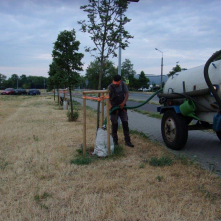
66, 57
175, 69
25, 82
127, 72
92, 74
143, 80
2, 79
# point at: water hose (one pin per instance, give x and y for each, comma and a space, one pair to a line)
127, 107
207, 79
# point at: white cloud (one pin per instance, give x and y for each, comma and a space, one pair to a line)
186, 31
46, 57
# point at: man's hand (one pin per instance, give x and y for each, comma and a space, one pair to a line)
110, 106
122, 105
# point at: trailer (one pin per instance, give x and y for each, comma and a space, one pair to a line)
191, 101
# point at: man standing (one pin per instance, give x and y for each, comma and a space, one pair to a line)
118, 95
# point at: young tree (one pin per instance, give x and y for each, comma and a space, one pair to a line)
106, 29
55, 78
68, 60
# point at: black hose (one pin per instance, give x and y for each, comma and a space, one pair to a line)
207, 79
127, 107
190, 98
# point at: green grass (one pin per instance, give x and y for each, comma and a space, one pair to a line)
149, 114
88, 158
39, 198
81, 160
159, 178
161, 162
141, 101
3, 163
141, 134
118, 152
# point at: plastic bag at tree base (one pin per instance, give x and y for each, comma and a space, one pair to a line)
101, 148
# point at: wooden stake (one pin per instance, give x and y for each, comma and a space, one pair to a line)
84, 125
102, 110
108, 128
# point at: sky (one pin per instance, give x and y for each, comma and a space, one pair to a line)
186, 31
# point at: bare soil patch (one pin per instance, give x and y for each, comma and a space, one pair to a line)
37, 181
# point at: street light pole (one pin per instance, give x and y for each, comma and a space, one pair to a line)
119, 53
161, 81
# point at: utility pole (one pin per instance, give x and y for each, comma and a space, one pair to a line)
161, 81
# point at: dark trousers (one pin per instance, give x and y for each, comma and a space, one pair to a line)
122, 113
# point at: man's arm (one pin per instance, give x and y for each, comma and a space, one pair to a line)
125, 100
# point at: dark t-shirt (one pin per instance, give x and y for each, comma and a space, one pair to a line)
118, 89
117, 94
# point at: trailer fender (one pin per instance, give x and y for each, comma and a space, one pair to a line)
162, 109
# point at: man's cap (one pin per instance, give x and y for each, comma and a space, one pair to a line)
117, 79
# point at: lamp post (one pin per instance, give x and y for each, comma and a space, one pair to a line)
119, 53
161, 80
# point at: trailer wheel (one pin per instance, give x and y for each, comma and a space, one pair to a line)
219, 135
174, 129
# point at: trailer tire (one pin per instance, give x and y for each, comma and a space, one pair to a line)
219, 135
174, 129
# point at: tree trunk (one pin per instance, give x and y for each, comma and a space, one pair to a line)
54, 93
72, 111
99, 88
101, 66
58, 95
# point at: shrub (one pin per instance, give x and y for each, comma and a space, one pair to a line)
74, 117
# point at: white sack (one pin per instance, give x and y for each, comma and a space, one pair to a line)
101, 148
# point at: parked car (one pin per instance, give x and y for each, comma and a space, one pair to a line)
143, 89
20, 91
8, 91
34, 92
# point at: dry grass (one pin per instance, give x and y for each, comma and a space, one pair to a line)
39, 183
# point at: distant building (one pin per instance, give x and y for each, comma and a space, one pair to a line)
154, 79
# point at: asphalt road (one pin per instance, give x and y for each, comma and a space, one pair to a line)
147, 107
142, 96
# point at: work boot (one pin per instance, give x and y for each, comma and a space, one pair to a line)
129, 144
114, 132
126, 130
